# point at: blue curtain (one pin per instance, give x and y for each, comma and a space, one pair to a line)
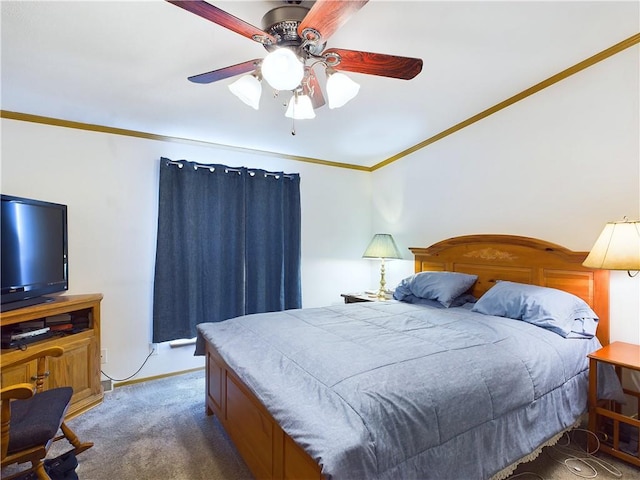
228, 245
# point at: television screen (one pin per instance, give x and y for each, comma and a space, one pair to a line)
34, 251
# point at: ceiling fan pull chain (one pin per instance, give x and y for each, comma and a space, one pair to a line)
293, 116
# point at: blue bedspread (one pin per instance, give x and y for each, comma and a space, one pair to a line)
392, 390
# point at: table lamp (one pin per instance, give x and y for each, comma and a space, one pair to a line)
617, 248
382, 246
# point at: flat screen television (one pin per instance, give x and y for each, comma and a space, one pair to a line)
34, 251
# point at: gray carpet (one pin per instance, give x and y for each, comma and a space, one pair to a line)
158, 430
567, 460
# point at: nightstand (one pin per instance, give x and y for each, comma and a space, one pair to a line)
605, 417
362, 297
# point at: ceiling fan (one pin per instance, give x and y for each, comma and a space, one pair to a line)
295, 38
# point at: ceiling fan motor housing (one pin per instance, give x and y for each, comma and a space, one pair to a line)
282, 22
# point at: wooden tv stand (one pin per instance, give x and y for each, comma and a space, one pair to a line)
79, 367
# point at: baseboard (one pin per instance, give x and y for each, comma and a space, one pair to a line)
156, 377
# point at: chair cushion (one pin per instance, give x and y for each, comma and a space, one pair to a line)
36, 420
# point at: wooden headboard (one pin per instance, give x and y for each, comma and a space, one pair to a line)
523, 260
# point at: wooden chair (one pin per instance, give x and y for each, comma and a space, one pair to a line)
31, 418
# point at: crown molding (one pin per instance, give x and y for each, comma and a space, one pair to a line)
598, 57
27, 117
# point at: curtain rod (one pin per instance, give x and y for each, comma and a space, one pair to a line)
211, 168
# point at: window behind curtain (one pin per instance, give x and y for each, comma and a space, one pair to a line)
228, 245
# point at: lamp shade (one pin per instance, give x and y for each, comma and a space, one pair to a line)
382, 246
248, 89
617, 247
340, 89
300, 108
282, 69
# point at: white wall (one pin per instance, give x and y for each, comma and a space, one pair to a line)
110, 185
556, 166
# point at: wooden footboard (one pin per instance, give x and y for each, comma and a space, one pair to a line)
268, 451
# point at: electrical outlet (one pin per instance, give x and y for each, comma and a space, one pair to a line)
107, 385
153, 349
103, 356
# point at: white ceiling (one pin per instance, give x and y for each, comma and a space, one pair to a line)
125, 64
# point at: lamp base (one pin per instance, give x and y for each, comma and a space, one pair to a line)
381, 294
382, 291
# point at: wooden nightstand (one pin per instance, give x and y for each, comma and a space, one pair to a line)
605, 416
362, 297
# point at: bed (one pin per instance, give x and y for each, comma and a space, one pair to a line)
394, 389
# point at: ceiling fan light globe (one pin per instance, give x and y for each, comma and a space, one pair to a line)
300, 108
248, 89
340, 89
282, 69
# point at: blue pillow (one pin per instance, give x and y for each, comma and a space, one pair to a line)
444, 287
550, 308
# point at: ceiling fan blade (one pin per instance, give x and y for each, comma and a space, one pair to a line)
325, 17
311, 87
226, 72
369, 63
222, 18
